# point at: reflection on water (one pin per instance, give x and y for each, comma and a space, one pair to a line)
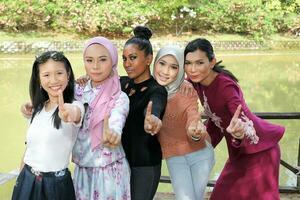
270, 82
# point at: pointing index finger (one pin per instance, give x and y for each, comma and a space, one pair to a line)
105, 124
237, 112
60, 99
149, 109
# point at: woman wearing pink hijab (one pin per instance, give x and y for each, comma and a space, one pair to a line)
102, 171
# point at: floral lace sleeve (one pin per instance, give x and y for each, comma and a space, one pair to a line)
234, 97
119, 113
81, 107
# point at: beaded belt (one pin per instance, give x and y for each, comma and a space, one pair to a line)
47, 174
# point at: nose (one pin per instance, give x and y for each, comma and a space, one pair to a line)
165, 70
53, 79
126, 63
193, 68
95, 65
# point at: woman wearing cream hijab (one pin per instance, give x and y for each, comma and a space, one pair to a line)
183, 137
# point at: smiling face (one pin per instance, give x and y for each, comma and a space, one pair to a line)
53, 77
166, 70
136, 63
198, 68
98, 63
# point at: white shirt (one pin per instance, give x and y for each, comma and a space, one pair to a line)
48, 149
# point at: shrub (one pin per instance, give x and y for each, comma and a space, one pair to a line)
256, 18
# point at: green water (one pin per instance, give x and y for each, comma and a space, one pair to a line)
270, 82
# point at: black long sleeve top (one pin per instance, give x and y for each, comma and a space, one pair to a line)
141, 148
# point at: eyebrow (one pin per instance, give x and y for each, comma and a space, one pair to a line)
162, 60
132, 54
102, 56
201, 59
173, 64
45, 72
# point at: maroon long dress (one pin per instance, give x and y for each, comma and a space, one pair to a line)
252, 169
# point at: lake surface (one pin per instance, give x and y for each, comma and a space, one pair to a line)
270, 81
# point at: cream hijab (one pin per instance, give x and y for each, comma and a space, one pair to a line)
177, 52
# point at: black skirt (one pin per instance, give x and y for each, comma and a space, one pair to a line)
33, 185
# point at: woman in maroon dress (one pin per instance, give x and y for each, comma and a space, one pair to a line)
252, 169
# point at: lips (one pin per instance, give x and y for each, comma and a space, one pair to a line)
163, 78
193, 76
129, 70
95, 74
55, 88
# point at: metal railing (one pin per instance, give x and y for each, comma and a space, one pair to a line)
263, 115
294, 169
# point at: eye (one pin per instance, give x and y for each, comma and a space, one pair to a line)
174, 67
187, 63
124, 58
102, 59
132, 57
161, 63
89, 60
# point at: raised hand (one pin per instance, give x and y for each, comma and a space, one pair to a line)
152, 124
186, 89
27, 109
82, 80
237, 127
196, 130
67, 112
109, 138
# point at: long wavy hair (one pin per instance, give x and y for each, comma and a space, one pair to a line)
205, 46
38, 95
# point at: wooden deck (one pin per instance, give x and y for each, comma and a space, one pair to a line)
170, 196
159, 196
5, 177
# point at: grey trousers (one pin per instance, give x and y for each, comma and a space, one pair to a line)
144, 182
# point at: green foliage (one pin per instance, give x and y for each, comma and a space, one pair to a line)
255, 18
119, 16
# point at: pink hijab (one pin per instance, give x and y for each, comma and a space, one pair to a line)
109, 92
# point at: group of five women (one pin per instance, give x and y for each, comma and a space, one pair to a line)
118, 130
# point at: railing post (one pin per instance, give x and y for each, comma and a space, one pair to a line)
298, 164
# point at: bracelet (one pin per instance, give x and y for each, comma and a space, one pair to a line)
195, 138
